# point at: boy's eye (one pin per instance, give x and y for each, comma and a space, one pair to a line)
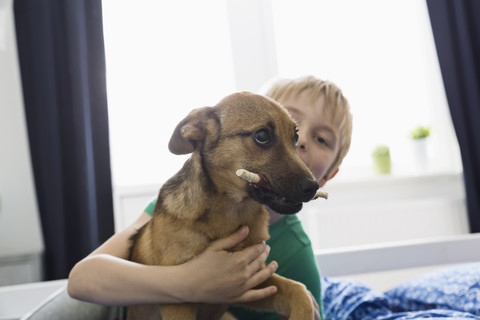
321, 140
261, 137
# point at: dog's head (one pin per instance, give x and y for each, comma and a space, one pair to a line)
252, 132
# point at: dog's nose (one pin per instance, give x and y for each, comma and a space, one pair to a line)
308, 188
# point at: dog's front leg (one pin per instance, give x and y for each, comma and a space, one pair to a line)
140, 312
183, 311
292, 299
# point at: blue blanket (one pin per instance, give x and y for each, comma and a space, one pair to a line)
450, 293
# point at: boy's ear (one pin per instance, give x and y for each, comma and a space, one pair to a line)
324, 180
334, 174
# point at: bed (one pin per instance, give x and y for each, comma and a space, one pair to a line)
432, 278
437, 278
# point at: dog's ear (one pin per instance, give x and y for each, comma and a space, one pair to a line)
190, 131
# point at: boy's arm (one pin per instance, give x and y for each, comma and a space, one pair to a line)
107, 277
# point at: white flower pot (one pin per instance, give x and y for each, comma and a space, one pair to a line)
420, 154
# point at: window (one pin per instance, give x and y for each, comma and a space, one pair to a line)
382, 55
166, 58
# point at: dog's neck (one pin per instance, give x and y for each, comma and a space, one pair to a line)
192, 196
273, 216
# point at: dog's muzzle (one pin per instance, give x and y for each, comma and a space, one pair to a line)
260, 189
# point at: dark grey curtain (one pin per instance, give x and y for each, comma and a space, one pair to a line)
62, 62
456, 29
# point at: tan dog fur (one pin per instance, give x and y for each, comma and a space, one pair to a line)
206, 201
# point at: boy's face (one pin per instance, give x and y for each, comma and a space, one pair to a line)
318, 135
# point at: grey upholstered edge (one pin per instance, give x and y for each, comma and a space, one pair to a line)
60, 306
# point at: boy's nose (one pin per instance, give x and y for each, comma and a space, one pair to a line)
301, 142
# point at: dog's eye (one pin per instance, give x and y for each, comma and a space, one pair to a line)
295, 137
261, 137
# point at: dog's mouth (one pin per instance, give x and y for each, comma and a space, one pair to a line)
276, 202
262, 191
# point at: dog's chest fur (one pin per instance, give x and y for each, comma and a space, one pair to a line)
194, 212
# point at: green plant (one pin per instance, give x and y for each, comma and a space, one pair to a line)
381, 159
420, 132
381, 150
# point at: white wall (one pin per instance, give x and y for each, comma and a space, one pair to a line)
21, 242
387, 208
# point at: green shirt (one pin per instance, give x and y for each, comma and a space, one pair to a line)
291, 248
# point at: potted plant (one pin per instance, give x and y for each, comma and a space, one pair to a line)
381, 159
420, 132
419, 140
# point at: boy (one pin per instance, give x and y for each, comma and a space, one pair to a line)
215, 276
324, 128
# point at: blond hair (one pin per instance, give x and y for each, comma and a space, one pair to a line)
336, 106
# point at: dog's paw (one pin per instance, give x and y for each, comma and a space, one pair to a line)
302, 306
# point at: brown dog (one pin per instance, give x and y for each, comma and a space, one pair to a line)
206, 200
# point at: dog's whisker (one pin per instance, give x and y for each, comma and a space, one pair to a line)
248, 176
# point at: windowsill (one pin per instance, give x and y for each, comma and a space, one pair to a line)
365, 174
363, 186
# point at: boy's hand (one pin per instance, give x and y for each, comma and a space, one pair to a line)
219, 276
